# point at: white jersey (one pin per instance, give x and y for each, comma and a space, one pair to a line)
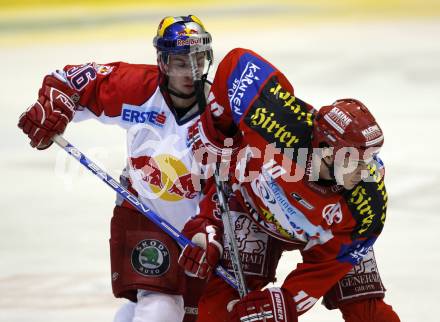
159, 162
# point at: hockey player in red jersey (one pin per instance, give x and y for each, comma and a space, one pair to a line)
296, 184
156, 104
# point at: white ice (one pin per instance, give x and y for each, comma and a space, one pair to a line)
54, 223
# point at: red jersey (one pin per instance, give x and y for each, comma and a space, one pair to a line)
274, 182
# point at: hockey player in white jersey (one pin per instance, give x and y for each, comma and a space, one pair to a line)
156, 104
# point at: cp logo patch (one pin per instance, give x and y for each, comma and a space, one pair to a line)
150, 258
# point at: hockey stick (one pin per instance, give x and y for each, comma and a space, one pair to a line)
230, 235
133, 200
199, 87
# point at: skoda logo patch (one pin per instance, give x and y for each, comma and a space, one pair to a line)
150, 258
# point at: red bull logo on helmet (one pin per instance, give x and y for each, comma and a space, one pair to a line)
187, 32
189, 42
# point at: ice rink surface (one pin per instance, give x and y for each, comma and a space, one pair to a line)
54, 228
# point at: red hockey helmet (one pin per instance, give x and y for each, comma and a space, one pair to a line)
346, 123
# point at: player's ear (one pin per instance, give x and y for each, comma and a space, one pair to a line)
166, 69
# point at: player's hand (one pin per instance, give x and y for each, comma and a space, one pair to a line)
208, 143
51, 113
272, 304
200, 260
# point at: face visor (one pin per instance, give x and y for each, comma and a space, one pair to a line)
352, 165
353, 157
194, 64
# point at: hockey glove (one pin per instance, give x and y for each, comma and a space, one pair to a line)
54, 108
208, 143
271, 305
200, 260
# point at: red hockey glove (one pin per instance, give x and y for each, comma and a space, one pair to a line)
271, 305
54, 108
209, 144
201, 259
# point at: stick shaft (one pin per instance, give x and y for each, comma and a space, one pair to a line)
134, 201
230, 235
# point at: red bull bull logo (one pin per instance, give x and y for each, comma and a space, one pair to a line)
166, 176
187, 32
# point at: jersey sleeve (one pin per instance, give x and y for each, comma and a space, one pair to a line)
251, 96
103, 89
363, 213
